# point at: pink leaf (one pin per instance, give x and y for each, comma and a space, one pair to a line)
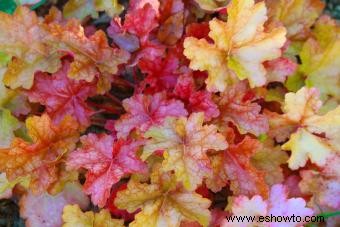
143, 111
106, 161
62, 96
45, 210
235, 106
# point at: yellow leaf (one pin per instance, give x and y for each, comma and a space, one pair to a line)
82, 8
312, 136
320, 56
41, 159
304, 146
6, 186
21, 72
92, 55
8, 124
136, 195
329, 124
111, 7
296, 15
79, 9
161, 205
216, 66
302, 104
74, 217
185, 143
212, 5
240, 46
28, 44
37, 45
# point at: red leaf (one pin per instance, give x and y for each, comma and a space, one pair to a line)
197, 101
244, 113
62, 96
144, 111
161, 73
106, 161
141, 21
245, 178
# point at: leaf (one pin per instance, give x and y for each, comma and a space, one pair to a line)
202, 101
62, 95
277, 204
219, 178
320, 58
10, 99
185, 142
8, 124
134, 35
212, 5
7, 6
329, 124
107, 161
243, 112
161, 73
5, 187
244, 178
28, 44
27, 2
92, 55
323, 185
196, 100
163, 205
144, 111
305, 128
82, 8
240, 46
298, 106
297, 16
73, 216
280, 68
39, 159
219, 74
116, 212
268, 159
111, 7
46, 210
147, 14
172, 29
79, 9
306, 146
4, 59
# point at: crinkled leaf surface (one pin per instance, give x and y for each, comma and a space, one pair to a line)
62, 95
40, 159
107, 161
277, 204
162, 203
240, 46
46, 210
185, 142
74, 216
144, 111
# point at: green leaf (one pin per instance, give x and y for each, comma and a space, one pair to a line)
4, 59
295, 82
8, 124
7, 6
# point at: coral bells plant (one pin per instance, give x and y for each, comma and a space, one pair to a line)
169, 113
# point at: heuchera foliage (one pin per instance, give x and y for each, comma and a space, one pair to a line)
170, 113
